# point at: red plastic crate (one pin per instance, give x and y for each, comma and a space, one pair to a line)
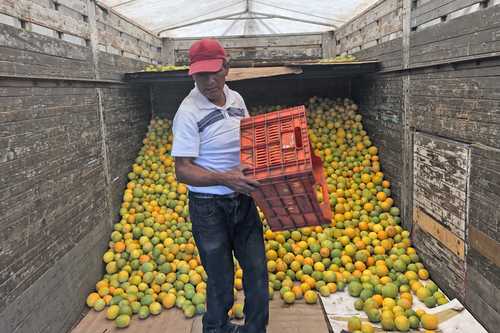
276, 149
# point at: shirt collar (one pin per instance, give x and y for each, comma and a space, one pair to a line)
204, 103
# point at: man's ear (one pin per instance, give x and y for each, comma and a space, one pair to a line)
225, 66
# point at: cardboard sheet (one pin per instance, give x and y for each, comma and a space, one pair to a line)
453, 317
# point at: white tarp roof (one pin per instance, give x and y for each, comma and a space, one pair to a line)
197, 18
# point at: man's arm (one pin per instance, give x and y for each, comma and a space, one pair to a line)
189, 173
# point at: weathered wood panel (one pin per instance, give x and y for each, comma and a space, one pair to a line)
279, 48
263, 53
58, 291
387, 27
113, 67
460, 102
466, 37
244, 41
114, 37
486, 246
112, 19
485, 191
373, 28
441, 171
31, 11
482, 290
438, 8
53, 184
372, 14
446, 268
53, 192
80, 6
127, 115
389, 53
447, 238
380, 101
25, 53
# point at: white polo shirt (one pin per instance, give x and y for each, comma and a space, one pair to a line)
209, 133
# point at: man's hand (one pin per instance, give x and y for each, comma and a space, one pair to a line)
192, 174
236, 180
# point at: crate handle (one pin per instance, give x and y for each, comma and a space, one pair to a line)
319, 177
297, 132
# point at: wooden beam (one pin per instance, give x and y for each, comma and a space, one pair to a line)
486, 246
30, 11
436, 230
236, 74
408, 131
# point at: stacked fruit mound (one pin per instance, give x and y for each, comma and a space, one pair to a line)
152, 262
339, 58
164, 68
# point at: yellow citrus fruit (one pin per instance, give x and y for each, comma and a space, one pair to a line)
429, 321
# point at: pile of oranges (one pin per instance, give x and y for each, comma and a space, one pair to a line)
152, 263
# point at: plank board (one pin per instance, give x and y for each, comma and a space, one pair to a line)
80, 6
373, 32
112, 36
438, 8
372, 14
436, 230
53, 302
242, 42
31, 11
484, 214
236, 74
466, 37
482, 290
380, 103
112, 19
441, 171
113, 67
270, 53
388, 53
446, 268
458, 102
485, 245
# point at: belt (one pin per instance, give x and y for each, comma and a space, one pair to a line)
199, 195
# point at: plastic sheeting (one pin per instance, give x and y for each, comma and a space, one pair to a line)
198, 18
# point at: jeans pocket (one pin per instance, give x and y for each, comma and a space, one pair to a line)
202, 208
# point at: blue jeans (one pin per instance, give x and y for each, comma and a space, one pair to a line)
223, 225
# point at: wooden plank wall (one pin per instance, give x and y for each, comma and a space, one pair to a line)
380, 102
270, 48
374, 34
120, 37
452, 103
69, 131
61, 46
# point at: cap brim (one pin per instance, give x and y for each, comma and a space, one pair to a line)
210, 66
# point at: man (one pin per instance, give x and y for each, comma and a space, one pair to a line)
224, 217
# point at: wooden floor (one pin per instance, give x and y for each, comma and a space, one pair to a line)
298, 318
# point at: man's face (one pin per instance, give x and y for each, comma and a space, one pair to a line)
211, 85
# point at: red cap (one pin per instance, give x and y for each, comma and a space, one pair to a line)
206, 55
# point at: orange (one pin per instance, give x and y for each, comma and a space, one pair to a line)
423, 274
119, 247
379, 299
429, 321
